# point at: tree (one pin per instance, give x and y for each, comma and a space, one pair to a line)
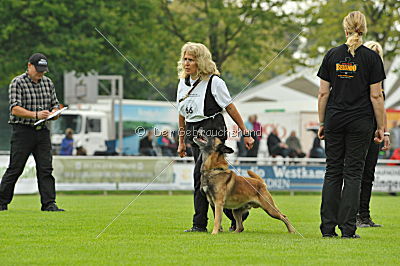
325, 30
65, 32
243, 36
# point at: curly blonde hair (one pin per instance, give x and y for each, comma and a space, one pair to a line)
376, 47
202, 56
355, 25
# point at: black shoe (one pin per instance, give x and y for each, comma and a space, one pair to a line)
52, 207
366, 222
3, 207
330, 235
350, 236
196, 229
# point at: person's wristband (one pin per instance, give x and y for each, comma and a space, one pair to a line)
321, 124
387, 134
36, 115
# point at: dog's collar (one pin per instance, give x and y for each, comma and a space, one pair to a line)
215, 169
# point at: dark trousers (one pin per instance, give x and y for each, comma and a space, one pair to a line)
26, 140
368, 179
346, 149
253, 152
200, 200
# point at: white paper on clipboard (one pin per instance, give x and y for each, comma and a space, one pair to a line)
56, 113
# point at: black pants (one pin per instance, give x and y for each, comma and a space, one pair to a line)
200, 200
346, 150
26, 140
368, 179
253, 152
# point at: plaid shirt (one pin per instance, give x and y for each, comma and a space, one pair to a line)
31, 96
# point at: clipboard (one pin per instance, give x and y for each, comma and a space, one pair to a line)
56, 113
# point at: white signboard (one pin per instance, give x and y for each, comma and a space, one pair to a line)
157, 173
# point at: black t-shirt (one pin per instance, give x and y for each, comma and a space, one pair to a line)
350, 78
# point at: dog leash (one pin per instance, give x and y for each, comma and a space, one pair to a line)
190, 91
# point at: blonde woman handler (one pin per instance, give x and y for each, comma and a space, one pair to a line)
350, 96
363, 217
201, 97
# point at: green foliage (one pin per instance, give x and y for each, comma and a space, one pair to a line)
65, 32
325, 30
150, 232
243, 36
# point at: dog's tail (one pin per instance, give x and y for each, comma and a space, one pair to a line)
254, 175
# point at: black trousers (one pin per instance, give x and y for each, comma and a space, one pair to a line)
25, 140
346, 149
368, 178
200, 200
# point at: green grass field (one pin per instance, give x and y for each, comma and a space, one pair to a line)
150, 231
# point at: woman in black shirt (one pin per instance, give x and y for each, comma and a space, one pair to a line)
349, 99
363, 217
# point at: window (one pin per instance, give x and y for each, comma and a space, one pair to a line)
93, 125
66, 121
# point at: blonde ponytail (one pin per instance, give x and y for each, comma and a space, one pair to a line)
355, 25
376, 47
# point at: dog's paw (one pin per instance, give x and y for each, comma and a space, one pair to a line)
214, 232
239, 230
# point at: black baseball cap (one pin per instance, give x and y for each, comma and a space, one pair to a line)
39, 61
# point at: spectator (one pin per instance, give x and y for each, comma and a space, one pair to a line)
255, 134
276, 146
293, 143
146, 144
394, 137
242, 151
395, 155
317, 151
166, 144
80, 150
67, 144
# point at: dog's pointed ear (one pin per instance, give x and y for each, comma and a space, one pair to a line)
222, 148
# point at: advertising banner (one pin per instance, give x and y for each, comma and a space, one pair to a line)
163, 173
113, 172
282, 177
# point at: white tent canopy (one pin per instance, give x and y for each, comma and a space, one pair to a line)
302, 87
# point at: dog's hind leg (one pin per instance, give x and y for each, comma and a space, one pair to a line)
218, 217
237, 214
268, 205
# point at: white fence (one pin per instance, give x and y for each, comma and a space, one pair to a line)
167, 173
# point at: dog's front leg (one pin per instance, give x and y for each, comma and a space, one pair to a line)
218, 217
213, 210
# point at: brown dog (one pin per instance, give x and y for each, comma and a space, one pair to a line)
225, 189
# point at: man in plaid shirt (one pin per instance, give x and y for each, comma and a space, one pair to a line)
32, 97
